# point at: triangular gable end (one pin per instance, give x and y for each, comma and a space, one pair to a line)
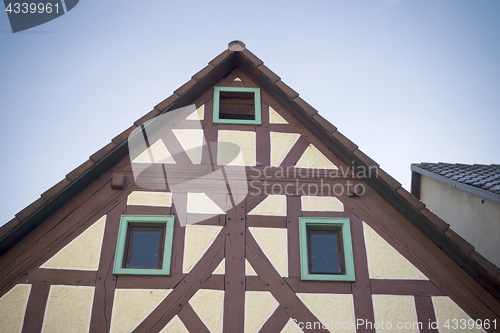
426, 249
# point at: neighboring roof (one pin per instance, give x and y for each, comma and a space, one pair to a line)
237, 56
479, 179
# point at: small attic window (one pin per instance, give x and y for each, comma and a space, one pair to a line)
144, 245
326, 249
237, 105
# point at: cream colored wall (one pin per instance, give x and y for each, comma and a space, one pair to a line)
314, 159
321, 204
198, 239
83, 252
132, 306
191, 141
384, 262
274, 244
334, 310
155, 199
68, 309
259, 306
397, 312
246, 140
281, 144
13, 307
209, 306
446, 311
478, 223
273, 205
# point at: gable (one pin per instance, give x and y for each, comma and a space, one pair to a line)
266, 243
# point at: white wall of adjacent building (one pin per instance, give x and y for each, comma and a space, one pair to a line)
474, 218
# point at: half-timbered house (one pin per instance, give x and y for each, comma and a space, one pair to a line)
234, 206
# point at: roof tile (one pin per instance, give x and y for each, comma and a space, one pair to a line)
22, 215
477, 175
269, 73
201, 74
185, 87
252, 57
220, 58
148, 116
393, 183
7, 227
324, 123
286, 89
166, 102
78, 171
303, 104
365, 158
123, 135
47, 195
411, 198
462, 243
102, 152
440, 224
488, 266
351, 146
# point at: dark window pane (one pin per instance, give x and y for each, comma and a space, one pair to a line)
144, 248
324, 253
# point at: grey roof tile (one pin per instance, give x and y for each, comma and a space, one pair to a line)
485, 177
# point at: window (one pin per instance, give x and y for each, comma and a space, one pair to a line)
326, 249
237, 105
144, 245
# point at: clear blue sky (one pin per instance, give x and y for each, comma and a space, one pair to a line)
407, 81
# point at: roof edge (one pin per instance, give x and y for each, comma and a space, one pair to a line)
453, 183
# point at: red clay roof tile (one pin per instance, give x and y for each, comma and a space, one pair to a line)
22, 215
47, 195
78, 171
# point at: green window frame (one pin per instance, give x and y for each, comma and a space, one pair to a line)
257, 104
344, 227
166, 221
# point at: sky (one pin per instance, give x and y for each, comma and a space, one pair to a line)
408, 81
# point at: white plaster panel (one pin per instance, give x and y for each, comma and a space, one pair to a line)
246, 140
275, 117
249, 269
191, 141
132, 306
13, 307
199, 114
446, 309
221, 268
209, 306
83, 252
157, 153
274, 244
259, 306
175, 326
198, 239
156, 199
321, 204
399, 311
202, 204
291, 327
273, 205
314, 159
335, 310
68, 309
281, 144
384, 262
